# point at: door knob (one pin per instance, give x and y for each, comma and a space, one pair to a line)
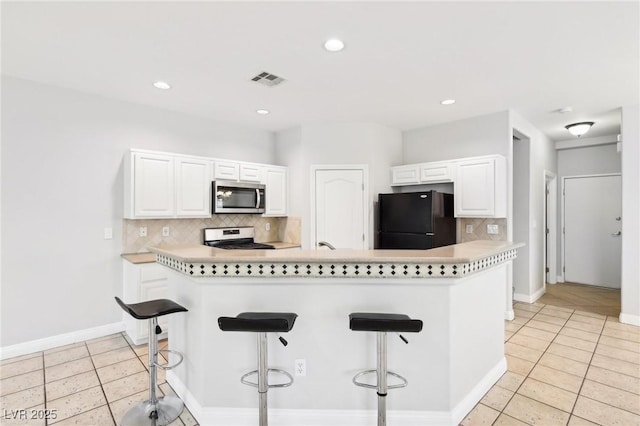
615, 234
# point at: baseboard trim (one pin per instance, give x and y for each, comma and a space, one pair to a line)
466, 405
59, 340
526, 298
227, 416
509, 315
629, 319
560, 278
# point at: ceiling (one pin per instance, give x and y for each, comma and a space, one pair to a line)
401, 59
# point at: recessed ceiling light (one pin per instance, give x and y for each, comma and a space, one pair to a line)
162, 85
334, 45
263, 111
448, 102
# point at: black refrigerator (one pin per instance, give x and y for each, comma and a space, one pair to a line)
415, 220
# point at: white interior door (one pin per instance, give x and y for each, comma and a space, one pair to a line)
340, 208
592, 221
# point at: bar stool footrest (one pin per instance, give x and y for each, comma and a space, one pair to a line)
355, 381
276, 385
170, 366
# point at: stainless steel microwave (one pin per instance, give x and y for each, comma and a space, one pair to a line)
237, 197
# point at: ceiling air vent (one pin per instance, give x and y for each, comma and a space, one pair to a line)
267, 79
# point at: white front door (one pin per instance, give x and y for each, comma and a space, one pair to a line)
592, 221
340, 208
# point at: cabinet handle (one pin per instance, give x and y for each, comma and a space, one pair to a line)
615, 234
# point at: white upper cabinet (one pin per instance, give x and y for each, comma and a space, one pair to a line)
160, 185
193, 187
275, 180
226, 170
480, 188
251, 172
405, 175
479, 183
151, 191
437, 172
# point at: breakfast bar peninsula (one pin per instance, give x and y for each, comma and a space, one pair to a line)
458, 291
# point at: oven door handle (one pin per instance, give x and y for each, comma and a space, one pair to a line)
258, 198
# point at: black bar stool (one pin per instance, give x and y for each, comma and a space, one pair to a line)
155, 411
261, 323
382, 324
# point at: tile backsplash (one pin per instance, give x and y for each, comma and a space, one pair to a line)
480, 229
189, 231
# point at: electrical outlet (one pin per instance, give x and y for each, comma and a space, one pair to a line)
165, 231
267, 226
143, 231
300, 367
108, 233
469, 229
493, 229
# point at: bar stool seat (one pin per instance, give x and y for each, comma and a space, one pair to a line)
256, 322
262, 323
154, 411
150, 309
399, 323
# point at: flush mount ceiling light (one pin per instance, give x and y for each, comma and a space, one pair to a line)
262, 111
162, 85
579, 129
448, 102
334, 45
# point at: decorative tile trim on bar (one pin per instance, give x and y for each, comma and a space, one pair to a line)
334, 270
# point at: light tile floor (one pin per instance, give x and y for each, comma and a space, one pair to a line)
87, 383
565, 367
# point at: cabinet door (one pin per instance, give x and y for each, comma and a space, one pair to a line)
250, 172
436, 172
405, 175
154, 188
474, 190
276, 191
153, 285
193, 190
227, 170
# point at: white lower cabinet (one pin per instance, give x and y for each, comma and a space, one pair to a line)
142, 282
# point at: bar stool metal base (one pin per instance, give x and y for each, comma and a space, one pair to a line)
167, 410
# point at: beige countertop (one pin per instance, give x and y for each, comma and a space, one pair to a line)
457, 253
139, 257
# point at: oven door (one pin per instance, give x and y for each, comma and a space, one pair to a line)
237, 197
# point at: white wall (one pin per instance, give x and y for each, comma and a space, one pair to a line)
62, 183
588, 160
521, 213
482, 135
542, 157
630, 312
336, 143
